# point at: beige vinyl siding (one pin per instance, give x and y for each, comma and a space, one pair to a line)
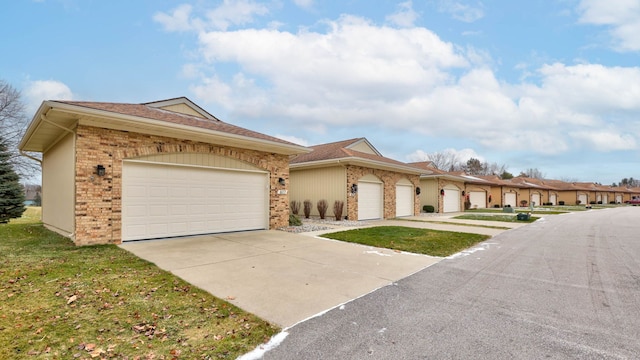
207, 160
329, 184
429, 193
363, 147
183, 109
58, 187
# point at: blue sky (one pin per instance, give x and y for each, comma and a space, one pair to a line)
552, 85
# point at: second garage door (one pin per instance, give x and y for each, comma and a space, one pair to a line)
451, 201
478, 199
404, 199
369, 200
510, 199
165, 200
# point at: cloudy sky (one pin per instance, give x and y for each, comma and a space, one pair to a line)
552, 85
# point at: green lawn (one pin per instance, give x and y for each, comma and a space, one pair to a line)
420, 241
491, 217
59, 301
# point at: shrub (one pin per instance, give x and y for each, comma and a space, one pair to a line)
307, 208
612, 202
523, 202
496, 205
467, 205
295, 207
593, 202
578, 202
560, 202
322, 208
338, 206
294, 220
428, 208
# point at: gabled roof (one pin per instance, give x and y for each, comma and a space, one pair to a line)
342, 152
178, 117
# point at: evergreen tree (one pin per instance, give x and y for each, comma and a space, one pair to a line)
11, 192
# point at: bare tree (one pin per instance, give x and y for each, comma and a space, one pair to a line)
13, 123
533, 173
495, 169
447, 161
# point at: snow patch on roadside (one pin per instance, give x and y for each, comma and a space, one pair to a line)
470, 251
376, 253
258, 352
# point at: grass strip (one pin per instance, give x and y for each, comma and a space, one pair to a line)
503, 218
414, 240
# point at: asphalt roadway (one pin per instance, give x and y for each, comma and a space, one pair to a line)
564, 287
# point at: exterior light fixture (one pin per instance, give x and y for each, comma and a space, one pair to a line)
100, 170
281, 181
354, 188
418, 190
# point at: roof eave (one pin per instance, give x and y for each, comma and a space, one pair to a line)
186, 131
356, 161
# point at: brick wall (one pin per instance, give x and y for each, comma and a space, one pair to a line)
389, 180
98, 205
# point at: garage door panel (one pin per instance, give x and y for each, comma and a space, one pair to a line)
369, 200
478, 199
510, 199
404, 200
161, 200
451, 200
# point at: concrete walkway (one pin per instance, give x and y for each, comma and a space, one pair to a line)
281, 277
286, 278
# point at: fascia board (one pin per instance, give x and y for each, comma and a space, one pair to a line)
184, 129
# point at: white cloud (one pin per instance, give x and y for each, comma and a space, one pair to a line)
405, 16
461, 11
293, 139
306, 4
355, 76
178, 20
40, 90
227, 14
605, 140
622, 17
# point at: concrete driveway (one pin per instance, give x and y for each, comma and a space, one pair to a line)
282, 277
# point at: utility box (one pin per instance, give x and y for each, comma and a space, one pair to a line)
523, 216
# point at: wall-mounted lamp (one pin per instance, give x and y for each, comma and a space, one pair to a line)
463, 193
442, 192
281, 181
418, 191
100, 170
354, 188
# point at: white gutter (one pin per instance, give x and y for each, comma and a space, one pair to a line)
355, 160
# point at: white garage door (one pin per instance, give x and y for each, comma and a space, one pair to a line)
369, 200
451, 201
583, 199
535, 199
605, 199
510, 199
164, 200
618, 199
404, 200
478, 199
552, 199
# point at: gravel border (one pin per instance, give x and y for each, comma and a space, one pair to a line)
309, 225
